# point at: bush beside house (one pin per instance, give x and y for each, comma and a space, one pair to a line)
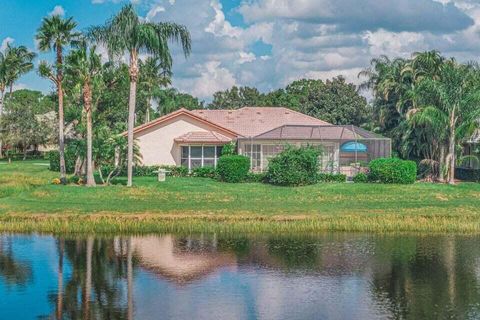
393, 170
233, 168
332, 177
294, 167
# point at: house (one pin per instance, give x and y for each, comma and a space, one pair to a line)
195, 138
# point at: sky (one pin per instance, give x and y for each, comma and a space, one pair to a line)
270, 43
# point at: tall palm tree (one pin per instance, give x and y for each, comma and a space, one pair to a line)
3, 86
20, 62
127, 33
84, 66
14, 62
57, 33
452, 104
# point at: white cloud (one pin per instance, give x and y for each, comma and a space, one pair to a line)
6, 42
154, 11
303, 45
212, 77
57, 11
246, 57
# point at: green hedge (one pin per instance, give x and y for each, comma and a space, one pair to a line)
233, 168
467, 174
54, 158
294, 167
361, 178
393, 170
149, 171
332, 177
204, 172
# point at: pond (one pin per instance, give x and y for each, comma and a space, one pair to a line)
326, 276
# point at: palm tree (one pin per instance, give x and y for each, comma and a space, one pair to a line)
127, 33
57, 33
84, 65
14, 62
451, 104
20, 62
3, 86
153, 75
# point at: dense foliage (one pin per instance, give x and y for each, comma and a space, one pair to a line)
361, 178
294, 167
428, 105
331, 177
393, 170
233, 168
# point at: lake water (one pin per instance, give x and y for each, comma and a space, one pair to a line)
327, 276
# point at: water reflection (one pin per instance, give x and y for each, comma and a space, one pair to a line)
331, 276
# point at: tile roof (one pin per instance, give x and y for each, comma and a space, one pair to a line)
203, 137
252, 121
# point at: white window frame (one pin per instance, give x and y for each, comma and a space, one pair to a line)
202, 158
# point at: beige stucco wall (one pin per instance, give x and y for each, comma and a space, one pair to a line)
157, 144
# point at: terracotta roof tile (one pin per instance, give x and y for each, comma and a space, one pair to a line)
203, 137
252, 121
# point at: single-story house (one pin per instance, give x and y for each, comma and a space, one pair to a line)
194, 138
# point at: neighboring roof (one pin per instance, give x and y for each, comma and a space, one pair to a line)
203, 137
177, 113
252, 121
323, 132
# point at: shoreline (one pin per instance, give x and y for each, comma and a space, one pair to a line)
109, 223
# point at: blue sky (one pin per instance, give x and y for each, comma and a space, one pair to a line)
269, 43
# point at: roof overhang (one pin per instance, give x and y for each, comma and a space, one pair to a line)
178, 113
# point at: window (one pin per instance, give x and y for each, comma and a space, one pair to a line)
200, 156
254, 152
270, 151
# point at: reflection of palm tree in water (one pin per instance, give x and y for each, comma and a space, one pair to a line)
96, 272
13, 272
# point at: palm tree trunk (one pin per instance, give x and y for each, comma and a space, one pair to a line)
87, 98
129, 280
451, 157
60, 280
61, 137
88, 279
451, 150
131, 114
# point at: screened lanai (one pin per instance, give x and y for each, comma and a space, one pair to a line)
344, 148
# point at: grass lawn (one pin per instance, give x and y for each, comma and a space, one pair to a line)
29, 202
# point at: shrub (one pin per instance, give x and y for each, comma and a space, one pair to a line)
233, 168
332, 177
145, 171
255, 177
294, 167
204, 172
176, 171
393, 170
54, 158
229, 149
361, 178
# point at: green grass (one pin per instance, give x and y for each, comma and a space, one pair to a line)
29, 202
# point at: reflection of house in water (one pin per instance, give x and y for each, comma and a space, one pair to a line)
182, 260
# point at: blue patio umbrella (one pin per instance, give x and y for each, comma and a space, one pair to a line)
353, 146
